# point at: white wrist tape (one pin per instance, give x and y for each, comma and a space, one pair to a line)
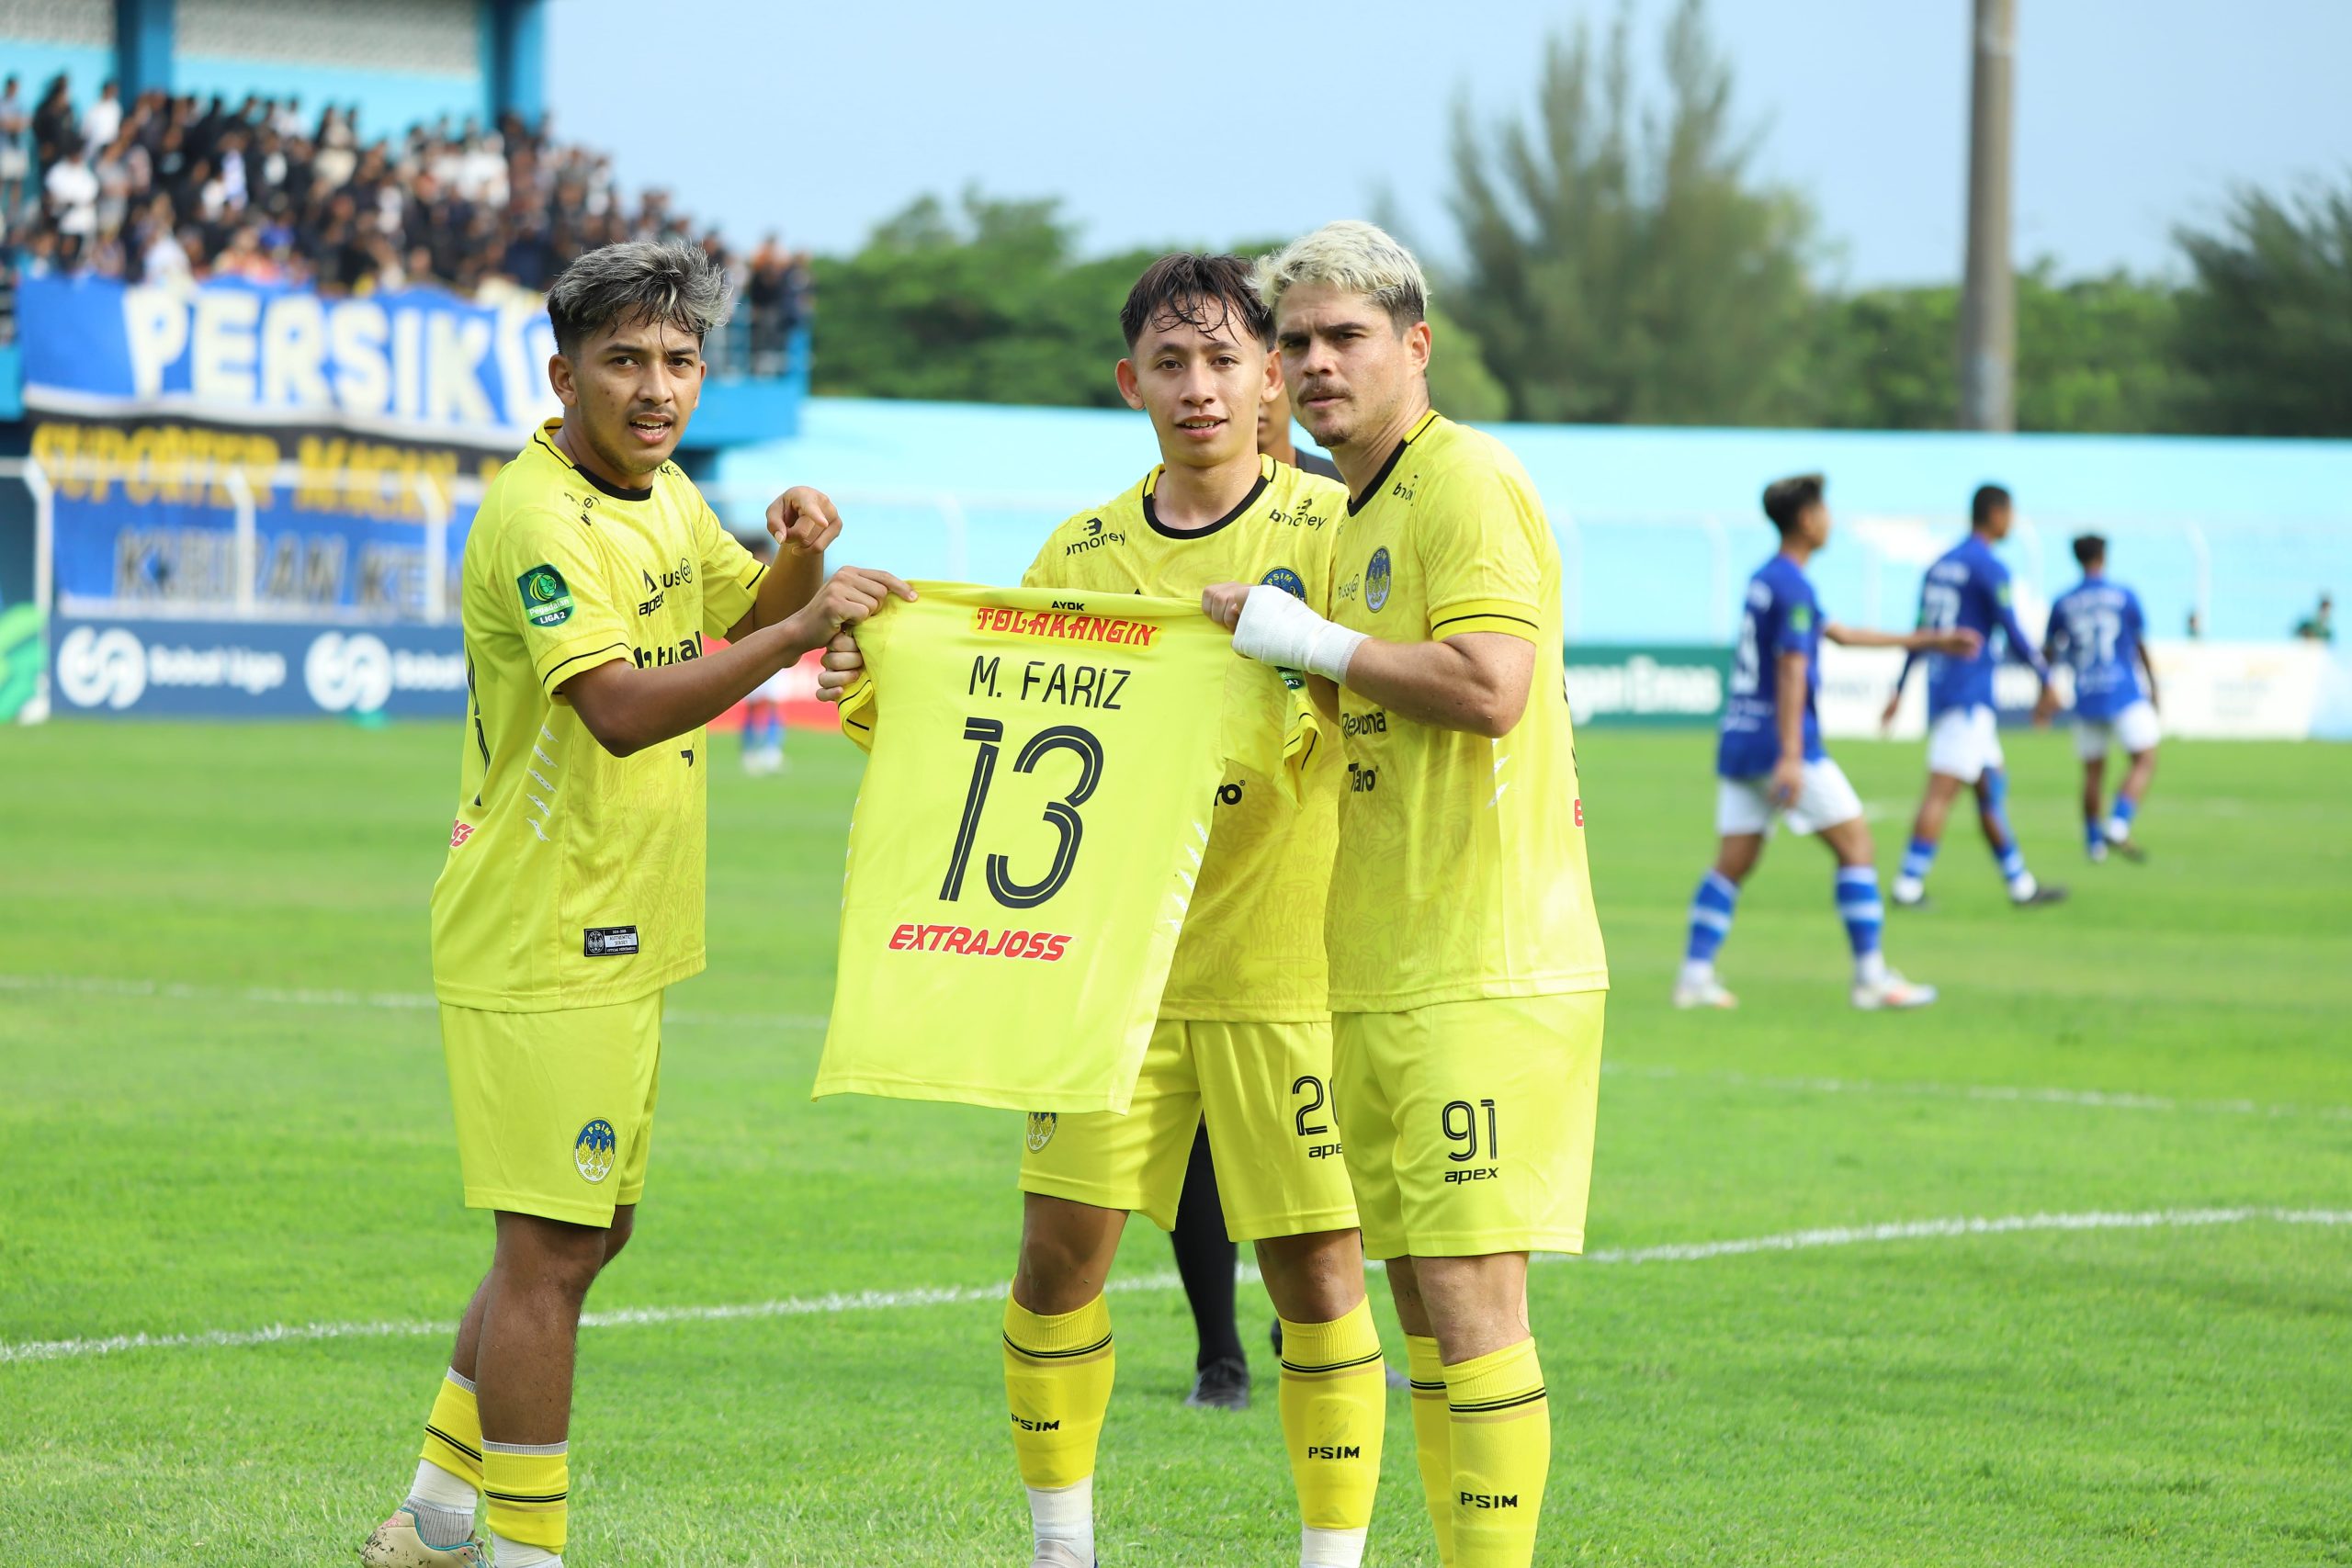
1278, 629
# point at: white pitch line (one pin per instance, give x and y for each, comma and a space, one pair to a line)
2013, 1094
956, 1295
272, 995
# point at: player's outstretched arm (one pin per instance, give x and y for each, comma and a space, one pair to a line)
2022, 647
628, 709
1960, 641
1476, 683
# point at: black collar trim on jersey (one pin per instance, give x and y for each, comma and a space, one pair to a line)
615, 491
1151, 512
1389, 467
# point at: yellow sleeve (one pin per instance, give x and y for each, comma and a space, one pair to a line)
560, 599
731, 574
857, 713
1270, 725
1480, 554
860, 709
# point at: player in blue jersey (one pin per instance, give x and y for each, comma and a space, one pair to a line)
2096, 628
1968, 587
1772, 764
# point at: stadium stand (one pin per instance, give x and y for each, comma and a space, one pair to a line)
171, 188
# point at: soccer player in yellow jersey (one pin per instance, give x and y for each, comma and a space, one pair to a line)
1243, 1039
573, 889
1466, 969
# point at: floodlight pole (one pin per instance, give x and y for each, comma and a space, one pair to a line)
1988, 327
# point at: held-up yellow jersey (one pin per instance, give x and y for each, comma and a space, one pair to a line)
575, 877
1029, 836
1461, 870
1252, 948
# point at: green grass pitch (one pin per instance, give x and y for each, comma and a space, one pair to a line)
222, 1107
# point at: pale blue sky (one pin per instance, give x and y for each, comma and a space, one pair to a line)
2132, 115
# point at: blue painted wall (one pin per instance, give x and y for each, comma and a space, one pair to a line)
33, 63
389, 101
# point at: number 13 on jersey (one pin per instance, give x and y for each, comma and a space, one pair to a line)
1036, 799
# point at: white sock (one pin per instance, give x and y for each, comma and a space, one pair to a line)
1330, 1548
443, 1504
1870, 969
1065, 1514
2023, 886
1698, 971
515, 1555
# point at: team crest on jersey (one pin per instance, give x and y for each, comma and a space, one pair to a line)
1375, 580
546, 602
1282, 577
1041, 1129
592, 1150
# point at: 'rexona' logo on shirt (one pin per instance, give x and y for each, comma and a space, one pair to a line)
1375, 580
546, 600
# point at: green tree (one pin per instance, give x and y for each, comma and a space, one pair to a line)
2266, 324
986, 303
1461, 387
2093, 355
1624, 266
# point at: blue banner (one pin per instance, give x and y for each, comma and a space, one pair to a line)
146, 513
411, 364
138, 669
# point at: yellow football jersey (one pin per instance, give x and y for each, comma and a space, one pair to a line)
1252, 949
1029, 836
575, 877
1461, 870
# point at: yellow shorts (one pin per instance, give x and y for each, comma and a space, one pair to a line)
1469, 1124
1264, 1090
555, 1109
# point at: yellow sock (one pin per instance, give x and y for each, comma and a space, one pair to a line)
1432, 1438
1057, 1385
1334, 1402
527, 1486
1502, 1453
453, 1432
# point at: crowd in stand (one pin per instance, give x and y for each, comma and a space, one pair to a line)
166, 190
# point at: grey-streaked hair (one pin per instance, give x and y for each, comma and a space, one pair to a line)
650, 280
1360, 257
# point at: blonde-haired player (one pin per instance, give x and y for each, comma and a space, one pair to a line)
1467, 977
